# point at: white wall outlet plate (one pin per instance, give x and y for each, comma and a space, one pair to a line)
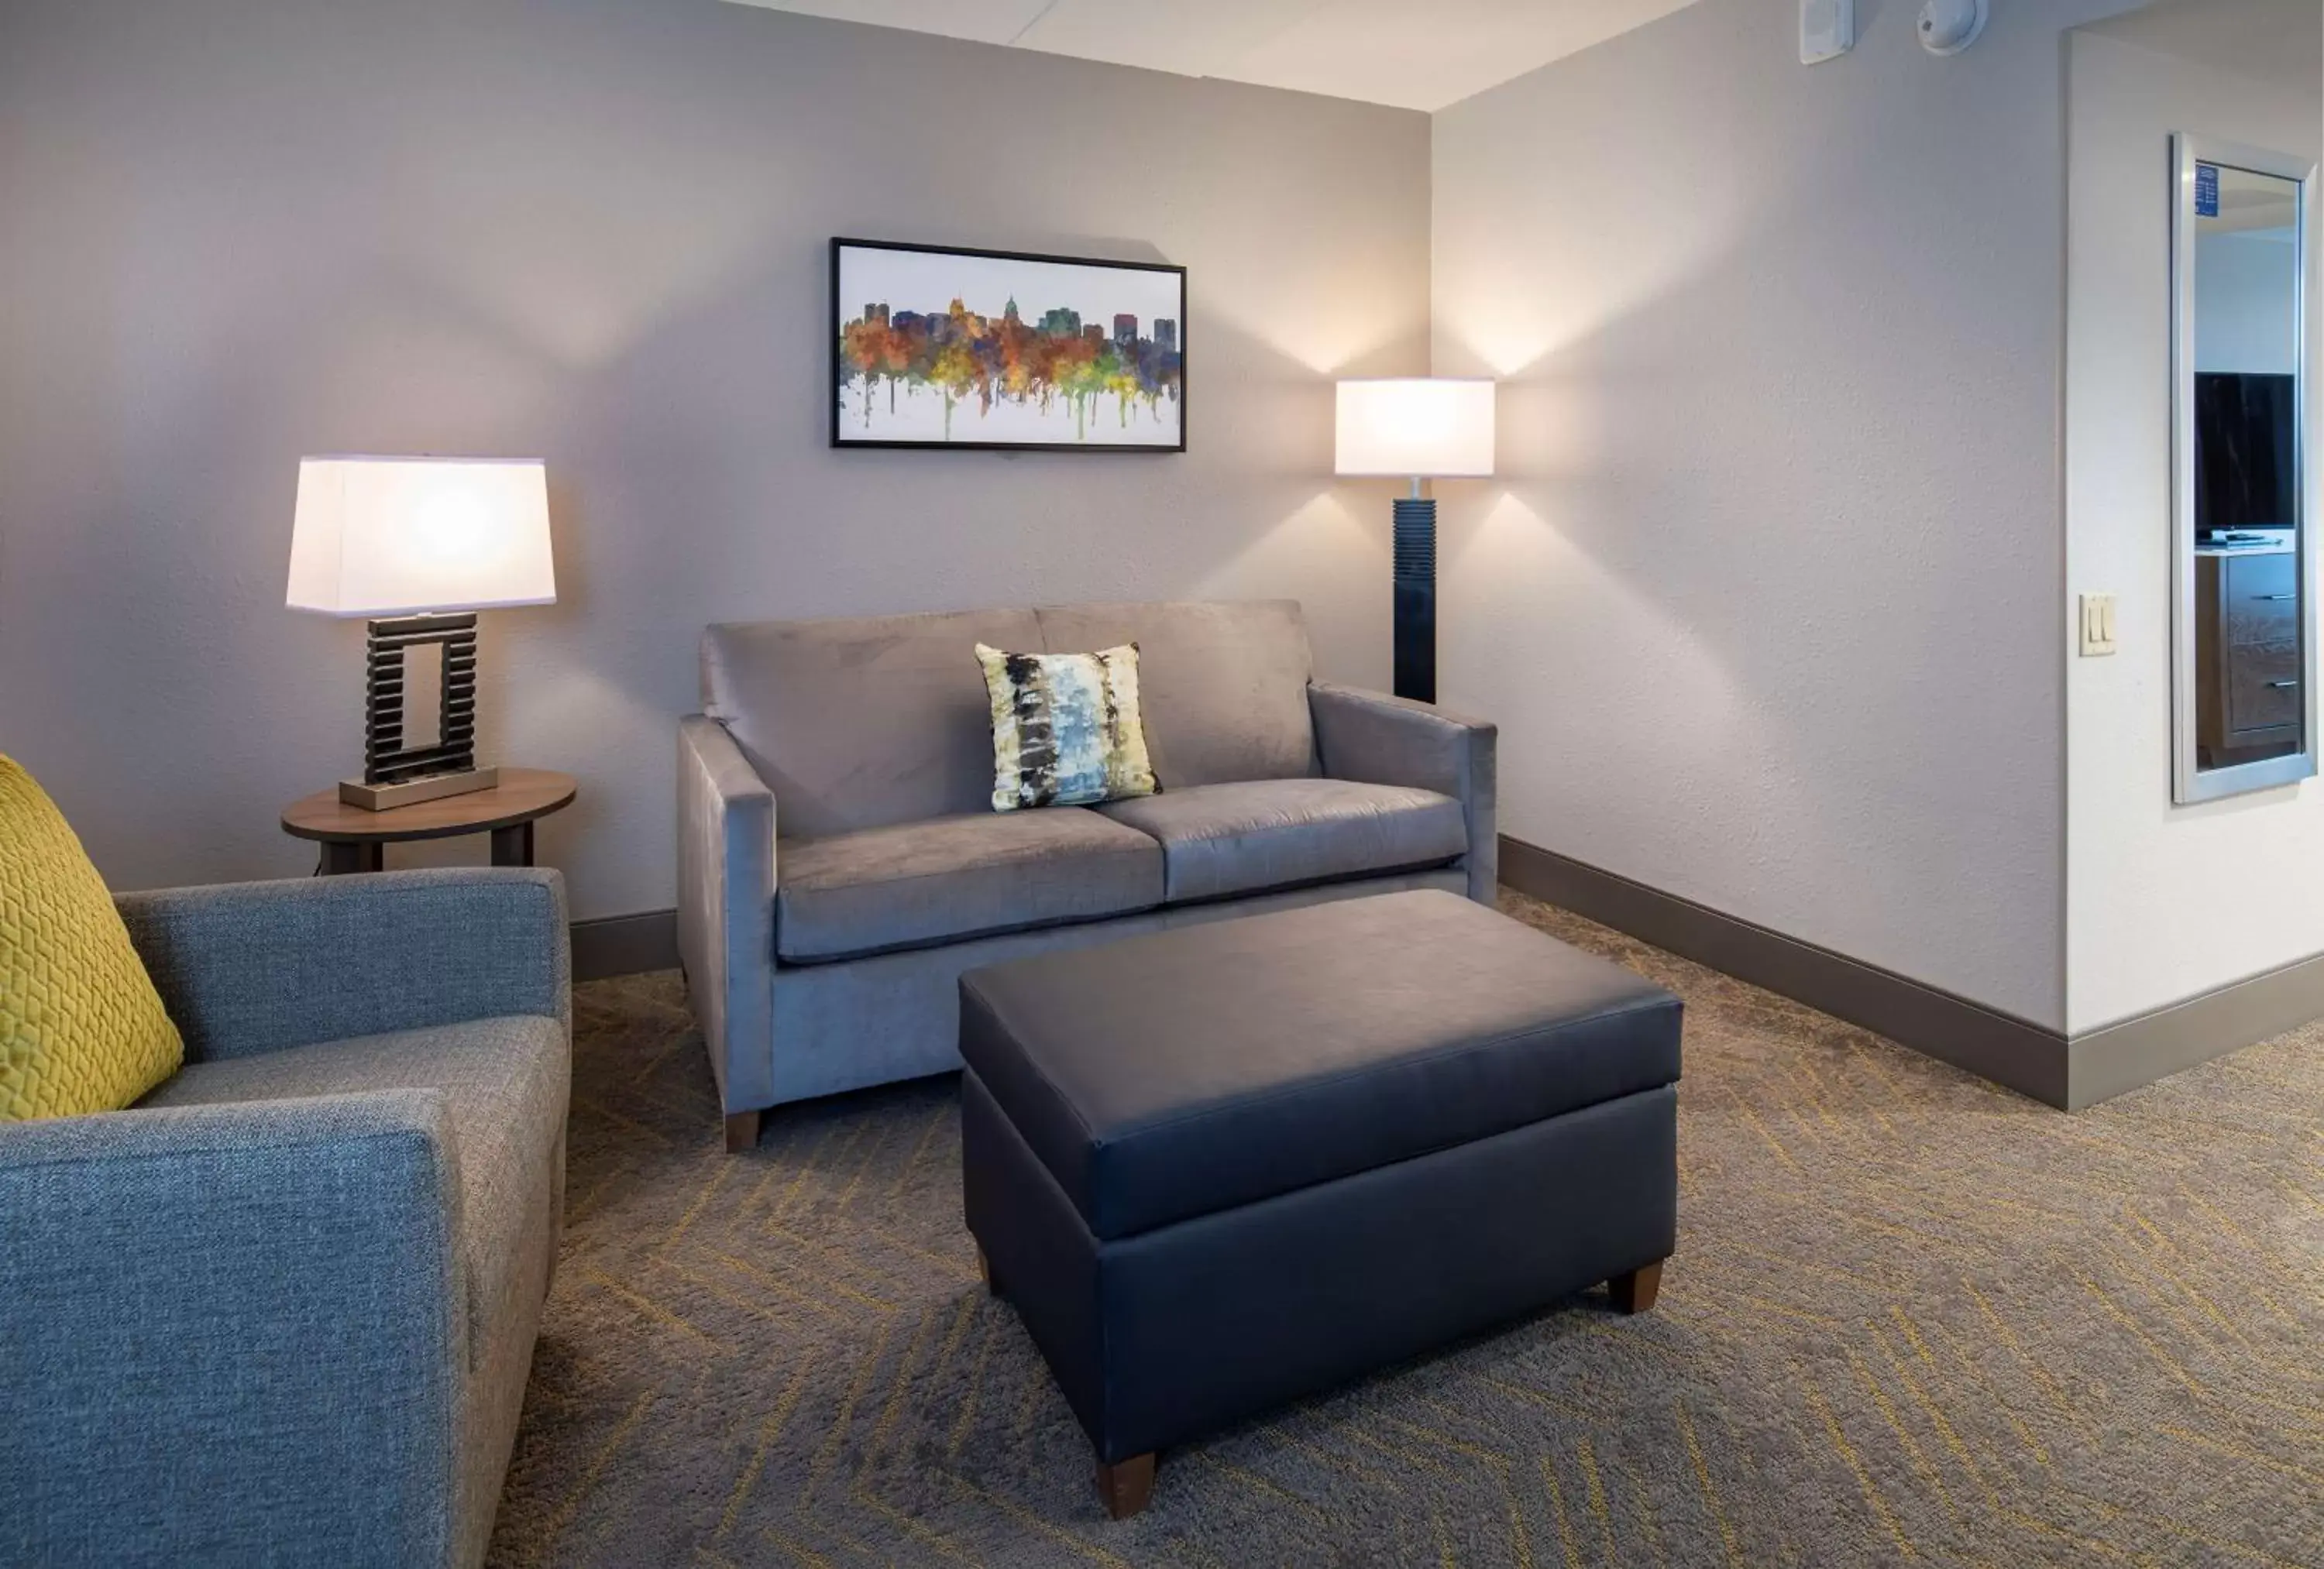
1827, 30
2098, 624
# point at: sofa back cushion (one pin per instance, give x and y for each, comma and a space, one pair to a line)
860, 723
864, 722
1222, 684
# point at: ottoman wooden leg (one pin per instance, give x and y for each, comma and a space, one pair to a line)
984, 1272
741, 1133
1634, 1292
1125, 1485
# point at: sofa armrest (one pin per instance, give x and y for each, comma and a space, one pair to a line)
1380, 739
234, 1333
246, 968
726, 908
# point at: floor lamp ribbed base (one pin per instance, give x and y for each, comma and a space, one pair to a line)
1416, 598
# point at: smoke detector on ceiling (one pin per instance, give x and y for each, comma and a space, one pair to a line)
1950, 26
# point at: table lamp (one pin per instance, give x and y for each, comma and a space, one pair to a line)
1415, 427
419, 545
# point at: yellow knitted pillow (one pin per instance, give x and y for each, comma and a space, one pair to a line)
81, 1027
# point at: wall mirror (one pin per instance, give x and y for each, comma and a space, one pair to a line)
2243, 623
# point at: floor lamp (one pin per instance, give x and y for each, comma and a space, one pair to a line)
1415, 427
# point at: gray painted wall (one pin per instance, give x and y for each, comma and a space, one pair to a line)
234, 231
1768, 597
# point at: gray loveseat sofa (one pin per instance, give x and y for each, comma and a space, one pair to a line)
281, 1311
840, 864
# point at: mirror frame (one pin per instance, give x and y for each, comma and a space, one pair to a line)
2189, 784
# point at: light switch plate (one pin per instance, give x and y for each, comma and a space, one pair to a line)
2098, 624
1827, 30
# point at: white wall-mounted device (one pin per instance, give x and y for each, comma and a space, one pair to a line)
1950, 26
1827, 30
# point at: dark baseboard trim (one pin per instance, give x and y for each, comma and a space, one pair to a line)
2026, 1058
2149, 1046
615, 945
2045, 1064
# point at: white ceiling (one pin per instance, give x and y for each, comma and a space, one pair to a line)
1414, 54
2280, 41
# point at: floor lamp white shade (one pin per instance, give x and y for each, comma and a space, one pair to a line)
1415, 427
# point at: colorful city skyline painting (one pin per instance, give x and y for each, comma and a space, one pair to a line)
936, 347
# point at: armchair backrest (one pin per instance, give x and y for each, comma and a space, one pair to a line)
863, 722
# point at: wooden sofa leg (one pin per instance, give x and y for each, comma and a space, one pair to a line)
984, 1272
1634, 1292
1125, 1485
743, 1133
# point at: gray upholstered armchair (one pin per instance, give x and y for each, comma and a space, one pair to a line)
282, 1310
840, 864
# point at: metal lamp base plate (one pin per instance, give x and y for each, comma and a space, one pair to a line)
413, 792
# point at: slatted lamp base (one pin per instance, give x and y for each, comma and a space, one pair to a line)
397, 774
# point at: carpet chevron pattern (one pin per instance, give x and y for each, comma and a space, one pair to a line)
1913, 1318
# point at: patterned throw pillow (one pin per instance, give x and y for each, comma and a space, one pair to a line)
81, 1027
1065, 730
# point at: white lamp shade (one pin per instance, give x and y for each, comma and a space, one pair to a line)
392, 536
1417, 427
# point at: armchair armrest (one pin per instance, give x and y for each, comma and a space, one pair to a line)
1379, 739
726, 909
229, 1329
246, 968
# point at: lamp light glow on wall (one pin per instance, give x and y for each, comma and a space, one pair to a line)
418, 546
1415, 427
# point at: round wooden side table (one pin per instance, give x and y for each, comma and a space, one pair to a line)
356, 840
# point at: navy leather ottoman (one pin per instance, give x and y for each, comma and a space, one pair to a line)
1221, 1168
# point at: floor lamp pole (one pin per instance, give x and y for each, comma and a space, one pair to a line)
1416, 596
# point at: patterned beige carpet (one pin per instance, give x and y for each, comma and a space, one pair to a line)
1913, 1318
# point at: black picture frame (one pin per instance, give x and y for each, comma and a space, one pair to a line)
837, 372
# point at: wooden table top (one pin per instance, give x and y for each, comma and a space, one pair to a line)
521, 796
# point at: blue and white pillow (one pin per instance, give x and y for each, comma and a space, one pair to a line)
1066, 728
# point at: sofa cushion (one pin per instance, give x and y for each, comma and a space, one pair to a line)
1223, 840
504, 1084
1183, 1074
1223, 686
859, 723
865, 721
952, 877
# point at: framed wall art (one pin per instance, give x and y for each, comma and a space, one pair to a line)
1005, 350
